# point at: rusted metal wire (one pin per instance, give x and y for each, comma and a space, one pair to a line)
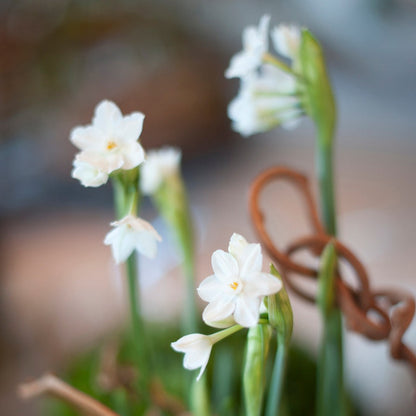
378, 315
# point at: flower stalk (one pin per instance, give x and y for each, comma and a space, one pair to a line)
320, 105
258, 340
330, 398
126, 201
281, 318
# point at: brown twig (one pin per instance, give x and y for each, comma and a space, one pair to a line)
388, 323
49, 384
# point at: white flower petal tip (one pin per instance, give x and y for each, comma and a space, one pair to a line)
110, 142
266, 99
197, 349
237, 288
286, 40
87, 174
159, 165
132, 233
255, 45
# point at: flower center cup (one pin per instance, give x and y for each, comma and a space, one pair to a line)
111, 145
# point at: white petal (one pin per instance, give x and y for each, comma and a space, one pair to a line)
133, 155
247, 311
236, 245
241, 64
218, 310
251, 261
197, 349
146, 244
225, 266
130, 127
105, 161
263, 284
122, 245
286, 40
107, 116
224, 323
86, 137
87, 174
210, 288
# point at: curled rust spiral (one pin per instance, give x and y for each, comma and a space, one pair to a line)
378, 315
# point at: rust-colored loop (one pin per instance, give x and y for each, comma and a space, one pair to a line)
364, 310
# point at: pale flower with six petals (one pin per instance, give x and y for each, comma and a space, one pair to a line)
238, 286
110, 142
132, 233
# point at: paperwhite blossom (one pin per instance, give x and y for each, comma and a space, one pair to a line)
132, 233
159, 164
265, 100
255, 45
110, 142
286, 40
197, 349
238, 286
87, 174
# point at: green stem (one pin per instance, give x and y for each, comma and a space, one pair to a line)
331, 399
268, 58
126, 201
277, 382
138, 331
330, 366
326, 184
190, 321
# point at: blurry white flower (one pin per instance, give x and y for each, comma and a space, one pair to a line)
158, 165
197, 349
265, 100
255, 44
87, 174
238, 285
132, 233
286, 40
110, 142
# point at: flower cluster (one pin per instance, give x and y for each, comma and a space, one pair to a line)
234, 293
109, 146
269, 91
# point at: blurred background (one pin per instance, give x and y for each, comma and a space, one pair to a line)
59, 290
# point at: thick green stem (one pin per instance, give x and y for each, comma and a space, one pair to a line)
278, 376
330, 366
326, 184
258, 339
331, 399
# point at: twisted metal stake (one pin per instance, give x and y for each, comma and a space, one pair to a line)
392, 311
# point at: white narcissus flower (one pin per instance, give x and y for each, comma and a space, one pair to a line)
87, 174
265, 100
255, 45
197, 349
286, 40
110, 142
238, 286
132, 233
159, 164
